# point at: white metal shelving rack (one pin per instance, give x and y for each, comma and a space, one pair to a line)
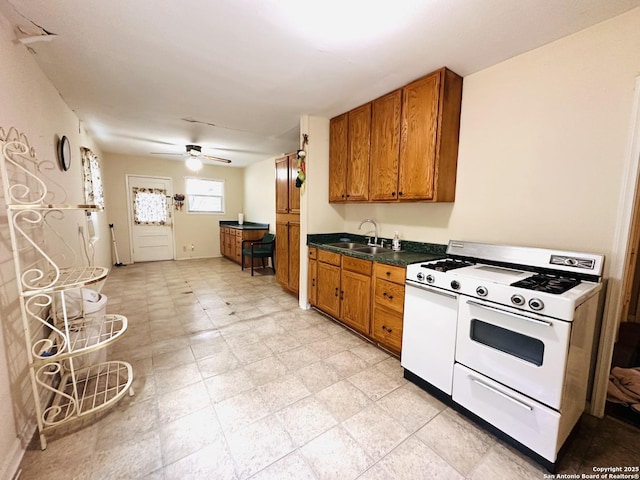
66, 385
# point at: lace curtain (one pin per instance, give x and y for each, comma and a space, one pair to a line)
150, 206
92, 178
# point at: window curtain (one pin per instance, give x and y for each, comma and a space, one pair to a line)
151, 207
92, 178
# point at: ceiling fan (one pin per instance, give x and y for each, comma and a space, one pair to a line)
194, 156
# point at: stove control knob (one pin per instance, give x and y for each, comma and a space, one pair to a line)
482, 291
455, 284
536, 304
419, 276
430, 279
517, 299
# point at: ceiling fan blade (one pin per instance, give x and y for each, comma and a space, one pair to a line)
210, 124
166, 153
215, 159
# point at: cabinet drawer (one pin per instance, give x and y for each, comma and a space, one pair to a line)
390, 272
329, 257
387, 328
390, 295
238, 233
356, 265
313, 253
529, 422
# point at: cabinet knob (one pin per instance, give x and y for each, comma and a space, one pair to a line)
336, 292
385, 294
313, 282
393, 194
388, 274
400, 193
341, 294
342, 195
387, 329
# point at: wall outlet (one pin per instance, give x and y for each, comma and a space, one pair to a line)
80, 229
193, 247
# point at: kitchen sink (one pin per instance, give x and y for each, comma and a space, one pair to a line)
372, 250
347, 245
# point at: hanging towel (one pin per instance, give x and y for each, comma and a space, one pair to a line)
624, 386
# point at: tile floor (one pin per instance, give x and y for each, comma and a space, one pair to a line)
234, 381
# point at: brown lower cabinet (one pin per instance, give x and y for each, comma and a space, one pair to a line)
231, 243
288, 254
328, 285
355, 293
312, 290
365, 296
388, 305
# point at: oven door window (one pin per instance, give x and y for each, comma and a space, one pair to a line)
513, 343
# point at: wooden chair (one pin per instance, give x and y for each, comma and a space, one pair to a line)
262, 249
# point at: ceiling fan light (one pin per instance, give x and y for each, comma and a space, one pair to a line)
194, 164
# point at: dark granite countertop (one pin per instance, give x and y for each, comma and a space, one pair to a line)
244, 226
412, 252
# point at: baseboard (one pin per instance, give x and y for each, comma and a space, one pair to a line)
11, 463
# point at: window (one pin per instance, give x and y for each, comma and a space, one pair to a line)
92, 178
205, 195
150, 206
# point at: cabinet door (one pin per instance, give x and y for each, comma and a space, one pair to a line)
418, 138
359, 148
230, 238
355, 297
282, 185
312, 295
294, 256
328, 289
294, 192
282, 253
385, 147
338, 157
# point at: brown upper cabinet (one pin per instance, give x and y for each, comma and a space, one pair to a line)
385, 147
349, 147
413, 143
287, 195
338, 157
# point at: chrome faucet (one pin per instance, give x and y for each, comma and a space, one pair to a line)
375, 230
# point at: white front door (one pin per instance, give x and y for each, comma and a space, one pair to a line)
150, 218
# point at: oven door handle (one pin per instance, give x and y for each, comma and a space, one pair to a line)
505, 312
430, 289
502, 394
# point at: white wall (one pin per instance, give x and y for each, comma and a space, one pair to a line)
200, 230
34, 107
260, 193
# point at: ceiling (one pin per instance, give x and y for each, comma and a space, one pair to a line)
137, 73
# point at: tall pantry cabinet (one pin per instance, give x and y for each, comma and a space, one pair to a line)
287, 223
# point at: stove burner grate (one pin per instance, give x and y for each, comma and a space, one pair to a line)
547, 283
446, 265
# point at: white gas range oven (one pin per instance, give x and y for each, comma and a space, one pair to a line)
506, 333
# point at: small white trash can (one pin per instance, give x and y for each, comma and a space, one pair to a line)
87, 326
